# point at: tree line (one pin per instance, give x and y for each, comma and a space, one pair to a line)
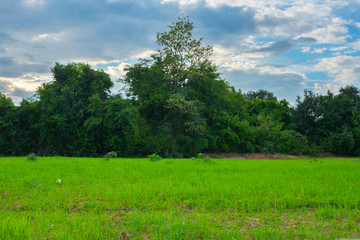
177, 105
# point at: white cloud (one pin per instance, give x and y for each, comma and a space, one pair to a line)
337, 49
287, 18
95, 61
355, 45
142, 54
229, 60
343, 69
319, 50
305, 49
23, 86
118, 71
323, 88
33, 3
181, 2
334, 32
48, 36
231, 3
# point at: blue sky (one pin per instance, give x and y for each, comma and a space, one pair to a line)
278, 45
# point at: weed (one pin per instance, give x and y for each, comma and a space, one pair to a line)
124, 236
109, 155
202, 158
35, 183
315, 160
154, 157
32, 157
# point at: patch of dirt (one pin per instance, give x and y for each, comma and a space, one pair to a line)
252, 155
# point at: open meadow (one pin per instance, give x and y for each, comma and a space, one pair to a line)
179, 198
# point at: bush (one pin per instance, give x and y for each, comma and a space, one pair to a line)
35, 183
339, 143
315, 150
202, 157
32, 157
154, 157
109, 155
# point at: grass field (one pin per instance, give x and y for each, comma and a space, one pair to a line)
179, 199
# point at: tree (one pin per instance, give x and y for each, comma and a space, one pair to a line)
163, 86
64, 107
260, 94
112, 126
181, 54
6, 125
330, 121
26, 131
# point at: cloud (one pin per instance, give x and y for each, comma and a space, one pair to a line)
323, 88
10, 68
47, 37
5, 85
23, 86
354, 45
33, 3
282, 46
225, 20
335, 33
306, 49
296, 18
117, 71
283, 85
319, 50
229, 3
231, 59
250, 70
343, 69
270, 40
338, 49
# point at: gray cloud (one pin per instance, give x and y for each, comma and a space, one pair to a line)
5, 86
4, 39
19, 92
64, 31
284, 86
14, 92
225, 20
282, 46
10, 68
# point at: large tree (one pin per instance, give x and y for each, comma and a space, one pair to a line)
163, 86
64, 107
331, 121
6, 124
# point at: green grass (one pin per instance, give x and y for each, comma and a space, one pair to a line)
179, 199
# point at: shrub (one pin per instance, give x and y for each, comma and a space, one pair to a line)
315, 150
109, 155
35, 183
339, 143
202, 157
154, 157
32, 157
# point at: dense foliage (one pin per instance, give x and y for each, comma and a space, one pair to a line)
177, 106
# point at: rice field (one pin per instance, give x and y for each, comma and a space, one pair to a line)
90, 198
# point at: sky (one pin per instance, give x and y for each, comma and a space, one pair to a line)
282, 46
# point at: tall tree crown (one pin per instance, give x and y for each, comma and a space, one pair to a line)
181, 52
